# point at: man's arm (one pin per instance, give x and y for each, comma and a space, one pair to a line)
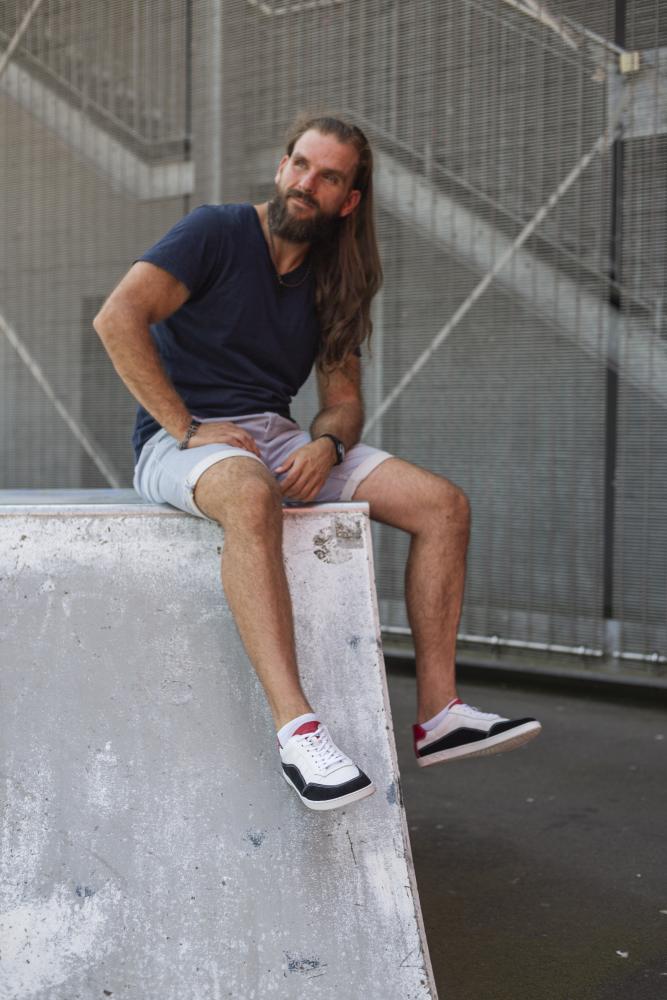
342, 410
146, 295
341, 414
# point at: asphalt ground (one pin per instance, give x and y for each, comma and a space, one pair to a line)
542, 872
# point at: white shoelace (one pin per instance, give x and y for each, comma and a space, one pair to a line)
482, 715
323, 750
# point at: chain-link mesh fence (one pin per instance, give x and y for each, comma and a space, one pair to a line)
523, 355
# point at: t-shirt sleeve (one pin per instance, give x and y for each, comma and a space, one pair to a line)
192, 248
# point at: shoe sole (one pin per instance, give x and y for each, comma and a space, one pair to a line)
326, 804
494, 744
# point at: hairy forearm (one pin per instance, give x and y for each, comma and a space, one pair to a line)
343, 420
129, 344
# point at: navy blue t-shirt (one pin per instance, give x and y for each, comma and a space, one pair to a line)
241, 343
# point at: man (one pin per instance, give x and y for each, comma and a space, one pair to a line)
242, 300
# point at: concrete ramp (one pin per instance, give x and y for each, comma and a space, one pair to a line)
150, 848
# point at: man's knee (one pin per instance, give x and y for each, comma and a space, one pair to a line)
451, 503
257, 501
239, 493
460, 503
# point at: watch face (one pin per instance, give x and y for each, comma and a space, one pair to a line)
338, 445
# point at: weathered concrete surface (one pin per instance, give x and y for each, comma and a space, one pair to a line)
150, 846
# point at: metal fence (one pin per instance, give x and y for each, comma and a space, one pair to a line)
520, 338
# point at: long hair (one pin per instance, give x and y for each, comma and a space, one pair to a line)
347, 269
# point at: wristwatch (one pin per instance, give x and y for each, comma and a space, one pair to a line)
338, 445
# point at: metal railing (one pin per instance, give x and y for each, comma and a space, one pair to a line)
115, 68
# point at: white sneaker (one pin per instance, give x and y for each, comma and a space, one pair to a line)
467, 732
322, 775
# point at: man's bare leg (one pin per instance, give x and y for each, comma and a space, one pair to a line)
242, 496
437, 515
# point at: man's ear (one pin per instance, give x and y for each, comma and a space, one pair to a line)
280, 167
350, 203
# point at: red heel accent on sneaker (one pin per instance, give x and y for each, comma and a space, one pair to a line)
418, 733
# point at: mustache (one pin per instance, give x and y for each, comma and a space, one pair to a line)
301, 196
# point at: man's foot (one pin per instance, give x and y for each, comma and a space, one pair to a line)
464, 731
322, 775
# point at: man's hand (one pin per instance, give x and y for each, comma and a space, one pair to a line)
307, 469
224, 432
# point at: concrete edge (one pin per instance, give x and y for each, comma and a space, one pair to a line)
148, 509
620, 687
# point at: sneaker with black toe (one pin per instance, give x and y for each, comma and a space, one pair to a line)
322, 775
466, 732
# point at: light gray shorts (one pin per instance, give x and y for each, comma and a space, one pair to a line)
166, 475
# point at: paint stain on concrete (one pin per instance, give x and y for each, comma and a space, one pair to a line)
333, 545
302, 965
349, 531
84, 891
354, 641
324, 545
391, 794
256, 837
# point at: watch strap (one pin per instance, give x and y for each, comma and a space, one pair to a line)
338, 445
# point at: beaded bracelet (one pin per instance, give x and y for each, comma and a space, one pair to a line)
191, 431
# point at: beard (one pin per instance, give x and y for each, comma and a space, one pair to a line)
319, 228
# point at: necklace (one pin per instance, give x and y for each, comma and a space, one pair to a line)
279, 277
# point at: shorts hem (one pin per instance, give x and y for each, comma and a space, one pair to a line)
362, 471
198, 470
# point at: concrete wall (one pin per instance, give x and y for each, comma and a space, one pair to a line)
149, 846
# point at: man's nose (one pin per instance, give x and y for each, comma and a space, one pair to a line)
308, 182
